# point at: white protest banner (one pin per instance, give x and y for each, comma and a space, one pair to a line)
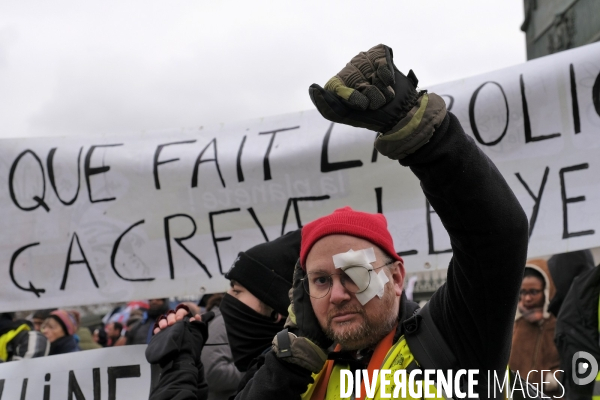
114, 218
116, 373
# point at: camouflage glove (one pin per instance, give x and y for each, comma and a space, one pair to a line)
370, 92
303, 342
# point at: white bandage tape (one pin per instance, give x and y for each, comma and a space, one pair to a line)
352, 258
363, 258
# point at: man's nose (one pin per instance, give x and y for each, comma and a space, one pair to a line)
339, 293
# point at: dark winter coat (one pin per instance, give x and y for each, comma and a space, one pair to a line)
140, 332
488, 230
63, 345
577, 330
474, 310
563, 269
221, 374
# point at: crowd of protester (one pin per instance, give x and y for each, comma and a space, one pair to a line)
270, 336
254, 313
59, 331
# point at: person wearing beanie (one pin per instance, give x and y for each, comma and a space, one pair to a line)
347, 288
256, 305
533, 349
252, 311
59, 328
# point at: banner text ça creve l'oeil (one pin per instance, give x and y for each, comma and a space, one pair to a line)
115, 218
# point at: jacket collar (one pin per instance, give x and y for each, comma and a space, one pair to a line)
407, 310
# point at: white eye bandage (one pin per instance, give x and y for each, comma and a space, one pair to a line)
362, 258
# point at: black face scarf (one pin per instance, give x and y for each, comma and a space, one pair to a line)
249, 332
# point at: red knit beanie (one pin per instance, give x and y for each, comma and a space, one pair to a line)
346, 221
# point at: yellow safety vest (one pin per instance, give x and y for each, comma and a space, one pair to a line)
596, 392
398, 357
7, 337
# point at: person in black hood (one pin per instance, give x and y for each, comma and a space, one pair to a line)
577, 335
564, 268
256, 305
254, 309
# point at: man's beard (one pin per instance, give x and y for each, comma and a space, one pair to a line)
374, 328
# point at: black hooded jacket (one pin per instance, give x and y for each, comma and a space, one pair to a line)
577, 329
564, 268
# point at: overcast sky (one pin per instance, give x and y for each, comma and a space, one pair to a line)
90, 67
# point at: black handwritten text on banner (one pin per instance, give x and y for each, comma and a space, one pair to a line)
87, 220
102, 374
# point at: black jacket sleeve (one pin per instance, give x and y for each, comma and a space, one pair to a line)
177, 351
276, 379
488, 231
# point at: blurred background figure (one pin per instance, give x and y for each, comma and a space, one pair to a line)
59, 328
141, 331
202, 302
122, 313
220, 371
563, 269
99, 336
39, 317
135, 316
18, 340
113, 332
83, 336
533, 348
577, 325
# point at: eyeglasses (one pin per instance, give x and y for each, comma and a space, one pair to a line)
531, 292
318, 284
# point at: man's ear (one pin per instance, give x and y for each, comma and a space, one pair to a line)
398, 275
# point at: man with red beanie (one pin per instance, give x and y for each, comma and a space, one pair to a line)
348, 286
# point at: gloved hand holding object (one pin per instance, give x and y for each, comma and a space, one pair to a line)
303, 342
185, 335
370, 92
